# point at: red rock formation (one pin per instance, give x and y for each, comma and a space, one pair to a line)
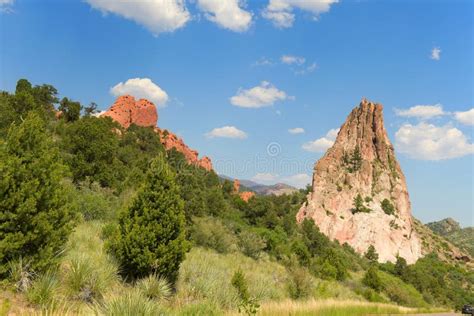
376, 176
247, 195
206, 163
170, 140
126, 111
236, 186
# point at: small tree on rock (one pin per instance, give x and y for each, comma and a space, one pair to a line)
152, 238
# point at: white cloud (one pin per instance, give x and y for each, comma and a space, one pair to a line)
6, 6
98, 114
263, 61
227, 14
141, 88
280, 19
300, 180
280, 12
227, 132
289, 60
436, 53
156, 15
296, 130
263, 95
306, 70
265, 178
422, 111
429, 142
322, 144
466, 117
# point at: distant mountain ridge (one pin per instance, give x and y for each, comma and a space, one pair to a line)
263, 189
452, 231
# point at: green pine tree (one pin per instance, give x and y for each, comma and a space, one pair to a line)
34, 218
152, 237
372, 279
371, 254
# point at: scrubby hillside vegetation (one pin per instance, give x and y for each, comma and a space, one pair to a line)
452, 231
100, 219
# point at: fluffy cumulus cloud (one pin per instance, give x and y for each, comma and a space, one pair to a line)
265, 94
321, 144
141, 88
290, 60
296, 130
421, 111
227, 14
227, 132
156, 15
280, 12
429, 142
436, 53
466, 117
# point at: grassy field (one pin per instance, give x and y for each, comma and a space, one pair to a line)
331, 307
87, 282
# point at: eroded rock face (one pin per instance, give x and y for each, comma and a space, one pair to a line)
362, 162
127, 111
246, 196
170, 140
236, 186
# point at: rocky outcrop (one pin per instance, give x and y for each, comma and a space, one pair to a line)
359, 191
170, 140
246, 196
127, 111
236, 186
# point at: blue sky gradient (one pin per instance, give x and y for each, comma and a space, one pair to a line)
375, 49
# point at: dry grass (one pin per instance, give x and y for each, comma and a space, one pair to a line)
330, 307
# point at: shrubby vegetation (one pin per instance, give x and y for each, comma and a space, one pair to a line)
353, 160
388, 207
151, 238
175, 233
359, 205
35, 221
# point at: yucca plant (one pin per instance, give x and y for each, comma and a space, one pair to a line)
20, 274
87, 280
132, 302
154, 287
43, 289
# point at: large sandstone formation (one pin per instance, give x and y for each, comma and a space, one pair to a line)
362, 162
127, 111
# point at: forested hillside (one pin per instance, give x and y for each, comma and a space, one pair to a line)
100, 219
452, 231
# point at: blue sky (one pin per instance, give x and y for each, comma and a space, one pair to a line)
232, 78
